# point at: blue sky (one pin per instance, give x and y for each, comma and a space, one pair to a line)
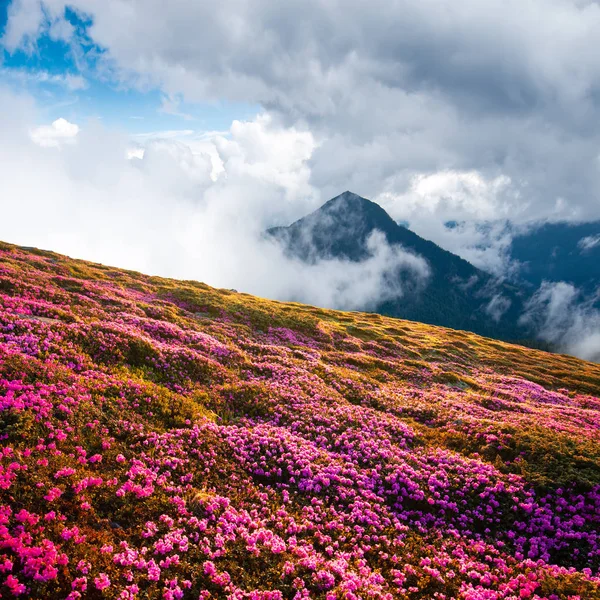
51, 74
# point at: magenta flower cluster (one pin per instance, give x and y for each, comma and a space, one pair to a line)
164, 440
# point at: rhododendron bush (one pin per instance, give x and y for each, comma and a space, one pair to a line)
163, 439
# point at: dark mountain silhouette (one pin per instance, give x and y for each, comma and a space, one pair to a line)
457, 295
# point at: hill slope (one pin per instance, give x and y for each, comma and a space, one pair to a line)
456, 295
163, 439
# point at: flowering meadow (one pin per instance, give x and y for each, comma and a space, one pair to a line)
164, 439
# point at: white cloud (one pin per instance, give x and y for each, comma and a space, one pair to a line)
25, 22
497, 306
135, 152
70, 81
199, 142
170, 106
270, 153
496, 89
560, 316
587, 243
55, 135
27, 19
163, 213
453, 194
260, 149
75, 82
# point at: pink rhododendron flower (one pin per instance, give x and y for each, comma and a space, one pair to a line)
102, 581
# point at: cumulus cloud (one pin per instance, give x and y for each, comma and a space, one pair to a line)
560, 316
470, 111
498, 90
164, 211
58, 133
450, 194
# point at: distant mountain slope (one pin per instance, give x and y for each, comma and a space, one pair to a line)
560, 252
458, 294
165, 440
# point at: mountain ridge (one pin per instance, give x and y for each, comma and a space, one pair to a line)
567, 252
458, 295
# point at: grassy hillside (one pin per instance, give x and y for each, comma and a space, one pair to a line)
164, 439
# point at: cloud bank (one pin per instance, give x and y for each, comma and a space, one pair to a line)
500, 97
177, 210
469, 111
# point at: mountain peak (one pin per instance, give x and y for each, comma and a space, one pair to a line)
350, 213
340, 228
457, 294
348, 195
350, 199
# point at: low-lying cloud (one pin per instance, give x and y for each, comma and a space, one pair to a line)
181, 210
560, 316
497, 306
196, 206
348, 285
